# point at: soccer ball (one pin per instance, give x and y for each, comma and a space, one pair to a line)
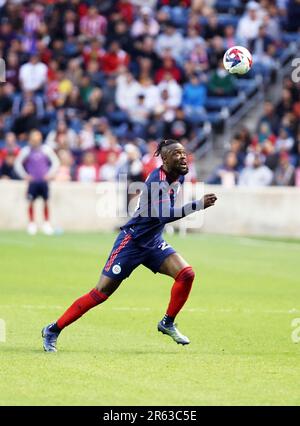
237, 60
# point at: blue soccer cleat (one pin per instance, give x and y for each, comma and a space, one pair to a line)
49, 339
172, 331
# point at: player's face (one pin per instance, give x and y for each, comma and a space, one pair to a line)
177, 159
35, 139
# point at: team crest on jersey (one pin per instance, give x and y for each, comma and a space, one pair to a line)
116, 269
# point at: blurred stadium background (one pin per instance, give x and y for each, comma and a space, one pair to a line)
104, 81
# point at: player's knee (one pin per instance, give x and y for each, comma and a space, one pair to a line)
187, 275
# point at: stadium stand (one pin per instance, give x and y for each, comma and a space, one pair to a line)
103, 80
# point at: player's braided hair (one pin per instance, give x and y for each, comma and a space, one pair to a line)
164, 143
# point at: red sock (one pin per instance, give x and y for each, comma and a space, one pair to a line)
46, 212
180, 291
30, 212
80, 307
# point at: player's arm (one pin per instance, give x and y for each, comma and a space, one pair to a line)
53, 160
179, 212
19, 163
167, 213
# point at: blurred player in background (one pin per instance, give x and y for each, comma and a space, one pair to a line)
37, 164
140, 242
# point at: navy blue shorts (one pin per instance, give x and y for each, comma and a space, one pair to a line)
38, 189
127, 254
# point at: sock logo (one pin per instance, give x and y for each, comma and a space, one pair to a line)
116, 269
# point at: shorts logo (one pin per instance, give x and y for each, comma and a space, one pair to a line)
163, 246
116, 269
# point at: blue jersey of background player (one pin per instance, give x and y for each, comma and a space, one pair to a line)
140, 242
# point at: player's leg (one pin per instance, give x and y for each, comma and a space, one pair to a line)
119, 266
183, 274
44, 193
31, 196
176, 267
105, 287
164, 259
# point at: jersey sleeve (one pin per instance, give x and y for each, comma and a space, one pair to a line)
161, 205
53, 160
19, 162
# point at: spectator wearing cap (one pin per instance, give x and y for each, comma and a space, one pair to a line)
248, 26
33, 74
146, 24
285, 172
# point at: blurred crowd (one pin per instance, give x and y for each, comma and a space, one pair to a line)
103, 80
270, 156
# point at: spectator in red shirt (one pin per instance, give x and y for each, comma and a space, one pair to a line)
126, 10
93, 51
168, 67
10, 147
114, 58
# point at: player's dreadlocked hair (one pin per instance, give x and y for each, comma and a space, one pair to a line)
164, 143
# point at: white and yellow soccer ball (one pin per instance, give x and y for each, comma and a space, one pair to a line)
237, 60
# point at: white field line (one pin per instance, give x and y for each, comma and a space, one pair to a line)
260, 243
146, 309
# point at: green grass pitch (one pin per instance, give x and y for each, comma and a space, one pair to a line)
245, 296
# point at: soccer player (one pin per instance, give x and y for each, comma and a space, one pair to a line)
140, 242
37, 164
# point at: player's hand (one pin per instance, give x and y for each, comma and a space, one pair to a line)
209, 200
29, 178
